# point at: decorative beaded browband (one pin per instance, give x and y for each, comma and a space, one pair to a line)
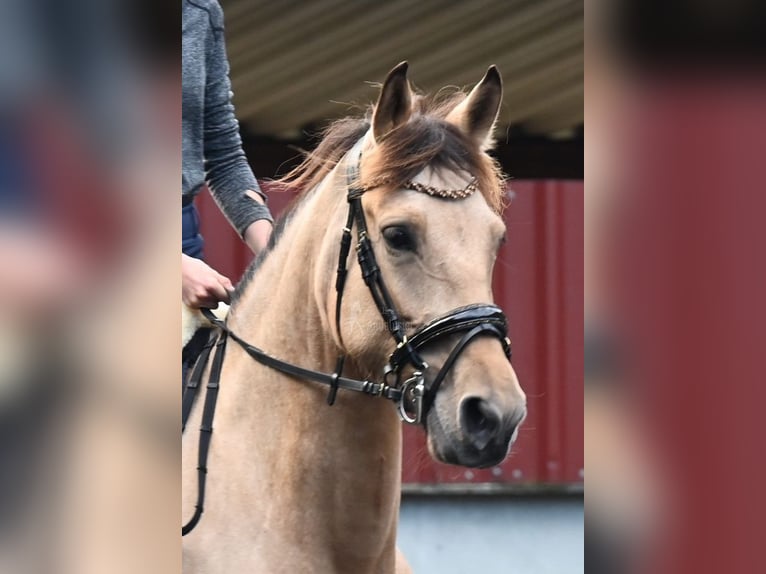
429, 189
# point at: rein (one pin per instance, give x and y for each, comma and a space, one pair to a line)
412, 397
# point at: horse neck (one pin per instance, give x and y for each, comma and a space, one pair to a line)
344, 461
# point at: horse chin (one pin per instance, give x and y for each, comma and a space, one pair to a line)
452, 450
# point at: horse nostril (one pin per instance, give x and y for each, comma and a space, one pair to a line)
480, 421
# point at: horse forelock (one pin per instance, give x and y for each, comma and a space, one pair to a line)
431, 142
427, 140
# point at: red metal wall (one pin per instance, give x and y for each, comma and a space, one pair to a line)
539, 283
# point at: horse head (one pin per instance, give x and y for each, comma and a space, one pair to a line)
432, 205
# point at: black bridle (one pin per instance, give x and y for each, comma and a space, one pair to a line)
412, 396
473, 320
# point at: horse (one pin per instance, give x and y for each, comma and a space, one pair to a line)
293, 484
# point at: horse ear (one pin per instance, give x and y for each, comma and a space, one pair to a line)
394, 104
476, 115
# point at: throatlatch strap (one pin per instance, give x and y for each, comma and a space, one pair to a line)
340, 279
206, 432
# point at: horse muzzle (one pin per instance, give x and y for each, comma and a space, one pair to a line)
483, 437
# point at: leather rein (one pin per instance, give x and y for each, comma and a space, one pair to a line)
412, 397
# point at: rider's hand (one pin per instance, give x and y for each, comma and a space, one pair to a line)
201, 285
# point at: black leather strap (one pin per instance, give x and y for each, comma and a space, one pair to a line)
480, 329
340, 279
456, 321
369, 265
195, 378
332, 380
206, 431
340, 284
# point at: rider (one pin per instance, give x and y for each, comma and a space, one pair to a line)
212, 153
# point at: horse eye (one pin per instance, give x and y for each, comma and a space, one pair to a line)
399, 238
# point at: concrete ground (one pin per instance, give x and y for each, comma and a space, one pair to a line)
497, 534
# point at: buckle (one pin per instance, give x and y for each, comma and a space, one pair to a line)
410, 405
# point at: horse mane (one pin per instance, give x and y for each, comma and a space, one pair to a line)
426, 140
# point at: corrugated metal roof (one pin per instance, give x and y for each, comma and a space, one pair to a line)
299, 62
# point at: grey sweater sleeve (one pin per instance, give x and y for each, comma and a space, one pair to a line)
227, 172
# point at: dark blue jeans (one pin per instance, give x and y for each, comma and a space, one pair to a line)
192, 241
